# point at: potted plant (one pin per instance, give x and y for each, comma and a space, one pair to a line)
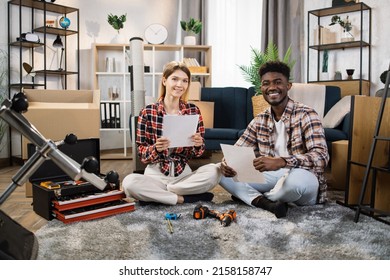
117, 22
346, 25
251, 72
192, 27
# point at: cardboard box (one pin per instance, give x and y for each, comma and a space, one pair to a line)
326, 36
339, 164
198, 69
56, 113
194, 91
207, 110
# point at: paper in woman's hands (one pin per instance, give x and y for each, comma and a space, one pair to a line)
179, 129
241, 160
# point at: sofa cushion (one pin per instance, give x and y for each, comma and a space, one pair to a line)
337, 113
227, 104
221, 133
332, 134
333, 95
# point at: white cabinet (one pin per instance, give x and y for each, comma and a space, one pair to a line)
111, 71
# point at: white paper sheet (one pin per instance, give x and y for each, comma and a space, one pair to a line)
241, 160
179, 129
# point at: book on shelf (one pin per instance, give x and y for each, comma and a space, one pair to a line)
194, 65
110, 115
191, 61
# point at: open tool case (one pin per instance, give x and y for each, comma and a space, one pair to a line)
56, 195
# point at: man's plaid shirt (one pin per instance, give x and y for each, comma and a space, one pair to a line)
306, 140
150, 124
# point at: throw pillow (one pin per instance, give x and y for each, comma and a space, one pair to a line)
337, 113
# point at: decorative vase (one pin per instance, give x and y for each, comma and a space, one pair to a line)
324, 76
347, 36
118, 39
350, 73
337, 76
189, 40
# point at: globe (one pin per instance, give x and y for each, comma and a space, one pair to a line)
64, 22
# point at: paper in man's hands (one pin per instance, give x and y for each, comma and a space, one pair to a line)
241, 160
179, 129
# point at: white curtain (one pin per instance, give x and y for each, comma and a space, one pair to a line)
234, 26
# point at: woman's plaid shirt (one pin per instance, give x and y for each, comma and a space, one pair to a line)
306, 140
150, 123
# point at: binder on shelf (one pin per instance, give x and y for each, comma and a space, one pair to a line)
110, 115
103, 115
117, 115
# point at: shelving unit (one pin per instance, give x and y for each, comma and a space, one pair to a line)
158, 55
155, 56
36, 13
28, 16
360, 85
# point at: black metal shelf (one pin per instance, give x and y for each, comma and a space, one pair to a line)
25, 44
341, 45
363, 43
340, 10
26, 85
43, 5
55, 31
46, 7
55, 72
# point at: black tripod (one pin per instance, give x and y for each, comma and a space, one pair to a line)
11, 112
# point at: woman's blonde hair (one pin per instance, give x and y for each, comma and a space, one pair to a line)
168, 70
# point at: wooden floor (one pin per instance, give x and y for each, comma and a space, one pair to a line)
19, 207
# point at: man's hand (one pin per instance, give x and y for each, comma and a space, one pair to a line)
268, 163
226, 170
162, 144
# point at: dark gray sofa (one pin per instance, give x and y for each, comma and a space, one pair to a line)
233, 112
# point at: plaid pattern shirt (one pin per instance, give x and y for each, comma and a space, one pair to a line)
150, 124
306, 142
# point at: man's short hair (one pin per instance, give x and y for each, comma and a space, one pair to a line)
275, 66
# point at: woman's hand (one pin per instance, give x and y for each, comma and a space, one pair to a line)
197, 139
162, 144
226, 170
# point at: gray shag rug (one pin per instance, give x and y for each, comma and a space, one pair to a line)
320, 232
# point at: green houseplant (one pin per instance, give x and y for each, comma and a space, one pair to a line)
271, 53
251, 72
192, 27
117, 22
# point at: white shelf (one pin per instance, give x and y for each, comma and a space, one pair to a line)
155, 56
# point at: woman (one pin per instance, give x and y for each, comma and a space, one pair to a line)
168, 178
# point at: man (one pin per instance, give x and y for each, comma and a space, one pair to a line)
289, 142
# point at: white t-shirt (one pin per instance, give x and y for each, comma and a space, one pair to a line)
281, 139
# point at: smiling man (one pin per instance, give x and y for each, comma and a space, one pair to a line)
290, 147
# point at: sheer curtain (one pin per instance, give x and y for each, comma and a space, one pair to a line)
233, 27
